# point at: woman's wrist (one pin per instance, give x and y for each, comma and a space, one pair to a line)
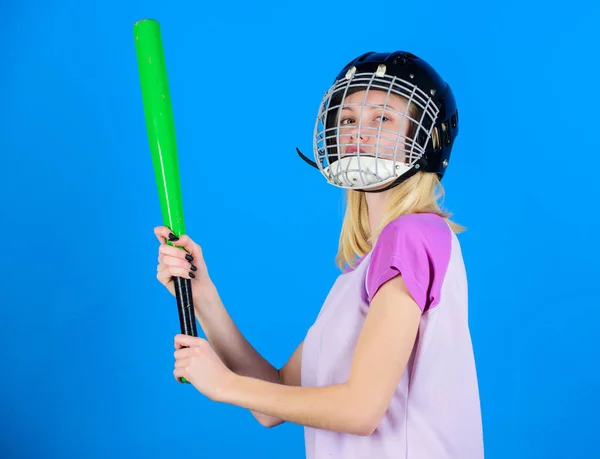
205, 296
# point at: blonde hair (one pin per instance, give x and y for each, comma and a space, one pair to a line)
418, 194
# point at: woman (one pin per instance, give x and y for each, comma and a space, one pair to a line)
387, 369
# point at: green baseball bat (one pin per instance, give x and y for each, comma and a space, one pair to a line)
160, 125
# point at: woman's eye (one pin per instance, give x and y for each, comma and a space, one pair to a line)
382, 118
347, 121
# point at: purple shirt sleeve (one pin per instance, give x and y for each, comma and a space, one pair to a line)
416, 246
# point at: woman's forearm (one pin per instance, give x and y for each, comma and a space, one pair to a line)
228, 342
338, 407
231, 346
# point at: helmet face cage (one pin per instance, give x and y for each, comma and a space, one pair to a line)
366, 145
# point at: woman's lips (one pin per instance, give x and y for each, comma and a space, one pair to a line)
353, 149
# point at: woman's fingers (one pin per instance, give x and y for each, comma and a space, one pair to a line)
177, 262
164, 234
174, 252
186, 243
165, 275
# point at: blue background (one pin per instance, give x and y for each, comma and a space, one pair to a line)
86, 330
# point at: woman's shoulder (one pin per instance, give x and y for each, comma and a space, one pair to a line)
423, 226
419, 247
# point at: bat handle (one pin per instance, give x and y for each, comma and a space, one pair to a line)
185, 306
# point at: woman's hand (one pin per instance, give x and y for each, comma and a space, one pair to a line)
186, 262
197, 362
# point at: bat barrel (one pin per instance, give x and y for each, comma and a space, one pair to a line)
160, 123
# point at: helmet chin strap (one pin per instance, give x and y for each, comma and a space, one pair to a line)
309, 161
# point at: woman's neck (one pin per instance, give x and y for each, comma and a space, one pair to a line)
376, 203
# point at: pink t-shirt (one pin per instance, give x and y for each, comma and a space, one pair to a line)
435, 411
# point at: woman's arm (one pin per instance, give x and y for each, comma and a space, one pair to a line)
289, 375
357, 406
239, 355
232, 348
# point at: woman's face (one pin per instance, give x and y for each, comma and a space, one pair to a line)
394, 127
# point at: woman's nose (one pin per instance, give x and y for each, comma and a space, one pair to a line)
354, 136
362, 132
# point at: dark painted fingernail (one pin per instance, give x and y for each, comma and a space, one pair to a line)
188, 257
172, 237
193, 268
192, 275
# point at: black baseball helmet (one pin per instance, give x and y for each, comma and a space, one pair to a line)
419, 82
